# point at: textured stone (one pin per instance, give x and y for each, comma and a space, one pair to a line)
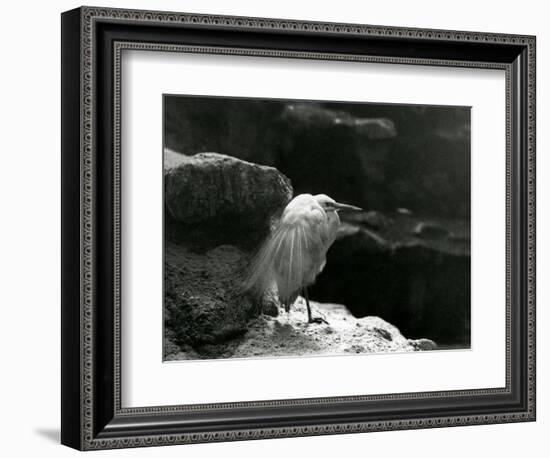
289, 334
430, 230
223, 195
204, 302
315, 116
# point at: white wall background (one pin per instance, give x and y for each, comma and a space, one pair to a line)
30, 240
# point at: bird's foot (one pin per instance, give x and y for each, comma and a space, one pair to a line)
317, 320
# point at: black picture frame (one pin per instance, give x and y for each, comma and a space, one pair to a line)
92, 416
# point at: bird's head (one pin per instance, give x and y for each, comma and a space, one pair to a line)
328, 204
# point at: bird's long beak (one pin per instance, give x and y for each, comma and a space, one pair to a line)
339, 206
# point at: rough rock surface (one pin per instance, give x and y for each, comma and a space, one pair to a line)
203, 298
314, 115
226, 195
430, 231
371, 219
288, 334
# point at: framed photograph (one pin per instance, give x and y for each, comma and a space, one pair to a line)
276, 228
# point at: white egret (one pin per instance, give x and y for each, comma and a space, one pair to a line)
295, 252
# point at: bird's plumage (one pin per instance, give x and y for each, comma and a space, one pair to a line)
295, 252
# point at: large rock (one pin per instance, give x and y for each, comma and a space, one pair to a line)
225, 196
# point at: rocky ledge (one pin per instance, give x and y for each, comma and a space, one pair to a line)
289, 334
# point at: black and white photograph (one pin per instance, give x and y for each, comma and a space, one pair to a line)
299, 228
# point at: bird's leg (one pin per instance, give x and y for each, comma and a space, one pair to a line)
310, 319
307, 304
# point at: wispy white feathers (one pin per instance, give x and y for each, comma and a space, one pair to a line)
294, 254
